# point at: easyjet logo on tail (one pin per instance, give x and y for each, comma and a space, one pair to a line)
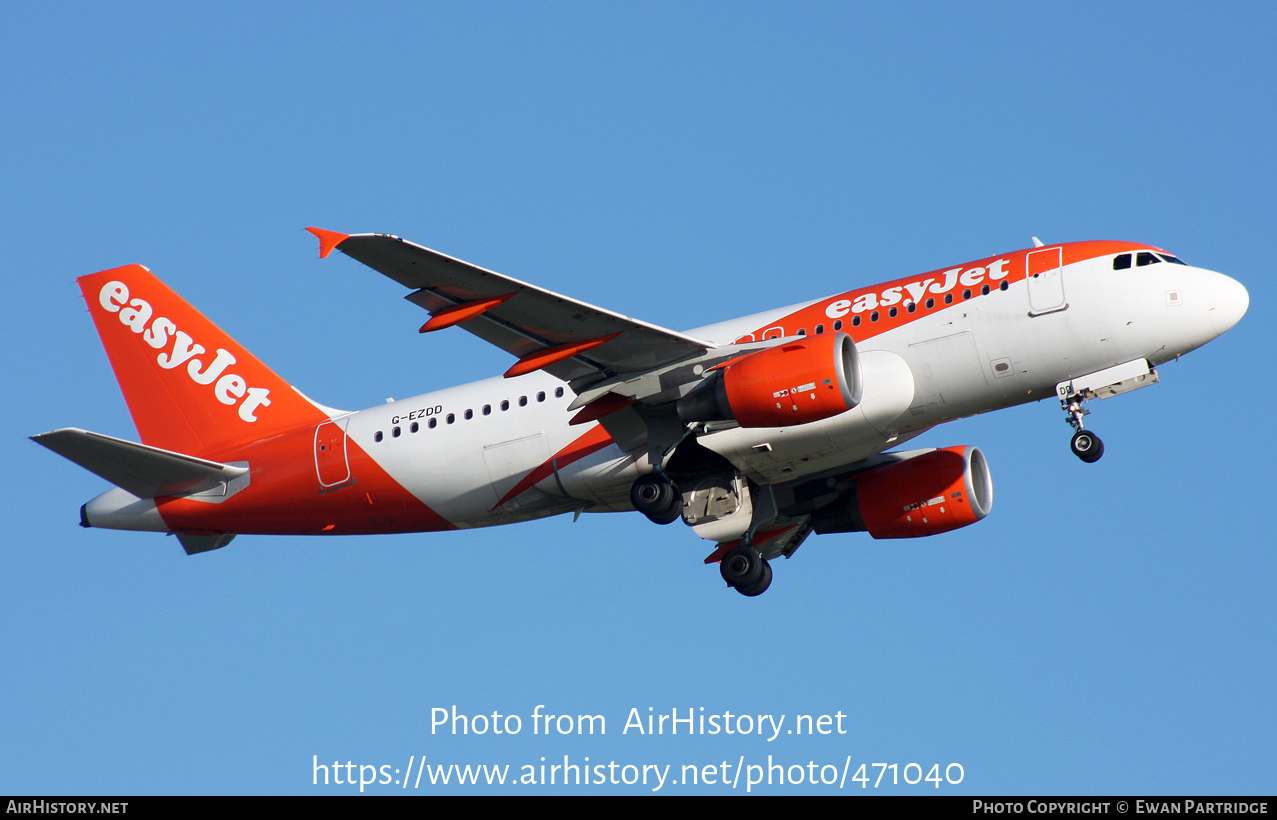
178, 348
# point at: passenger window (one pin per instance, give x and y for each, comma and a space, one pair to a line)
377, 436
415, 427
469, 414
1122, 262
820, 329
838, 324
505, 404
541, 396
487, 409
433, 423
1146, 258
523, 401
558, 392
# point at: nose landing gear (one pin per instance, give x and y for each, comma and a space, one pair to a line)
1085, 444
1102, 384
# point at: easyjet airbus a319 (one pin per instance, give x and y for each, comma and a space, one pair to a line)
755, 432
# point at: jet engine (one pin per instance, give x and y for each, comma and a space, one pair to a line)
928, 493
792, 383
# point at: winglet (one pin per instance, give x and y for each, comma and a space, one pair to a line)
328, 240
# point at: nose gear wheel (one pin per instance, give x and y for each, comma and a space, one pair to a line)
1087, 446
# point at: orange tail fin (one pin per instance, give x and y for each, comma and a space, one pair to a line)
190, 387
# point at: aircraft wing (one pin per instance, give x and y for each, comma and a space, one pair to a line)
569, 339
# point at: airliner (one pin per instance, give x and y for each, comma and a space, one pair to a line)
755, 432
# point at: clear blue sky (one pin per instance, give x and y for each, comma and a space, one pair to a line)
1109, 628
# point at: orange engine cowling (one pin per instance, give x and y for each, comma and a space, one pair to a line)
793, 383
933, 492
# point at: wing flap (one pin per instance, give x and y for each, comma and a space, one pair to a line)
144, 471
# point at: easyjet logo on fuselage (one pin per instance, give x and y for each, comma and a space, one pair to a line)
178, 348
914, 291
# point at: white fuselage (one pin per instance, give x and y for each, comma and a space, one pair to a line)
994, 350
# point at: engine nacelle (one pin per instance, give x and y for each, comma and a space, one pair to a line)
793, 383
933, 492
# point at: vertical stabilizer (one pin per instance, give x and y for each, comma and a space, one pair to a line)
190, 387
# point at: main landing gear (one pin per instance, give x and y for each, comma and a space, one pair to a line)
657, 497
746, 570
743, 567
1085, 444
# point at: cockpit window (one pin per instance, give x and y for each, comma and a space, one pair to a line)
1123, 260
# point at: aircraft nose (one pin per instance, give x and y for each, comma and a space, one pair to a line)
1230, 301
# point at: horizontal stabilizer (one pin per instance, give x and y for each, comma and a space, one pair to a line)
147, 472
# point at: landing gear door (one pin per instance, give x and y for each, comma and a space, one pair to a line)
1046, 282
719, 507
332, 465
